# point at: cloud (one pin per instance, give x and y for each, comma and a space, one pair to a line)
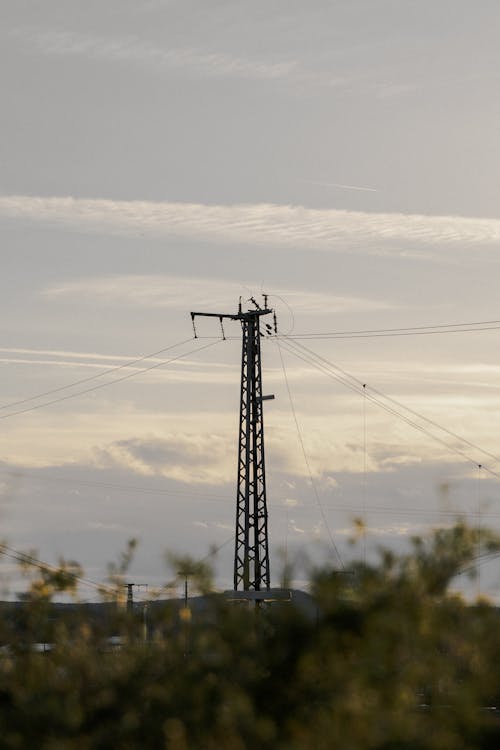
189, 458
212, 375
66, 353
330, 423
110, 431
164, 291
401, 529
154, 440
268, 225
53, 362
195, 61
132, 49
181, 371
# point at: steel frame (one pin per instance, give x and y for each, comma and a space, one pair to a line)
251, 552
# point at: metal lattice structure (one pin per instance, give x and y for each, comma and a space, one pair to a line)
251, 554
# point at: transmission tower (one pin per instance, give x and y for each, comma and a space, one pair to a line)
251, 553
130, 593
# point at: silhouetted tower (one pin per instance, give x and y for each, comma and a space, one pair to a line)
130, 596
130, 593
251, 554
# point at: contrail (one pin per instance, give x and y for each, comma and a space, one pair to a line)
341, 186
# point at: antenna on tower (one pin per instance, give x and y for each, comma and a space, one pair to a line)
251, 553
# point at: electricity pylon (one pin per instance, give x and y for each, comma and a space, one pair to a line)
251, 553
130, 593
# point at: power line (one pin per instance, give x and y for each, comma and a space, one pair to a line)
107, 485
93, 377
329, 371
432, 422
388, 509
299, 433
379, 333
479, 559
218, 498
483, 325
111, 382
417, 414
352, 382
215, 550
34, 562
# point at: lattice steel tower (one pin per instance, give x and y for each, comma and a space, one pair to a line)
251, 554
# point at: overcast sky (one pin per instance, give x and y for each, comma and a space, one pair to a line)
160, 156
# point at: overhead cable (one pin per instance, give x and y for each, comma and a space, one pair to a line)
365, 386
482, 325
109, 371
34, 562
224, 499
306, 460
110, 382
352, 384
14, 473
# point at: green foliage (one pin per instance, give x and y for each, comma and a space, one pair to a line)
116, 571
385, 659
185, 566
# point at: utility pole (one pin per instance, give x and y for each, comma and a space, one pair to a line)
185, 573
251, 553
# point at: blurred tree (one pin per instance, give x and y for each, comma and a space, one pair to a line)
391, 660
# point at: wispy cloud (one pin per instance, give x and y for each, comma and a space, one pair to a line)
390, 530
182, 371
263, 224
64, 353
404, 529
103, 360
51, 362
199, 62
132, 49
184, 375
172, 291
318, 68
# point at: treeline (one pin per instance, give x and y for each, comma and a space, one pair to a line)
389, 660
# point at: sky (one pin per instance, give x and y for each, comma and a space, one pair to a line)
163, 156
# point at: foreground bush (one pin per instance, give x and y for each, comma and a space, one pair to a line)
389, 659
